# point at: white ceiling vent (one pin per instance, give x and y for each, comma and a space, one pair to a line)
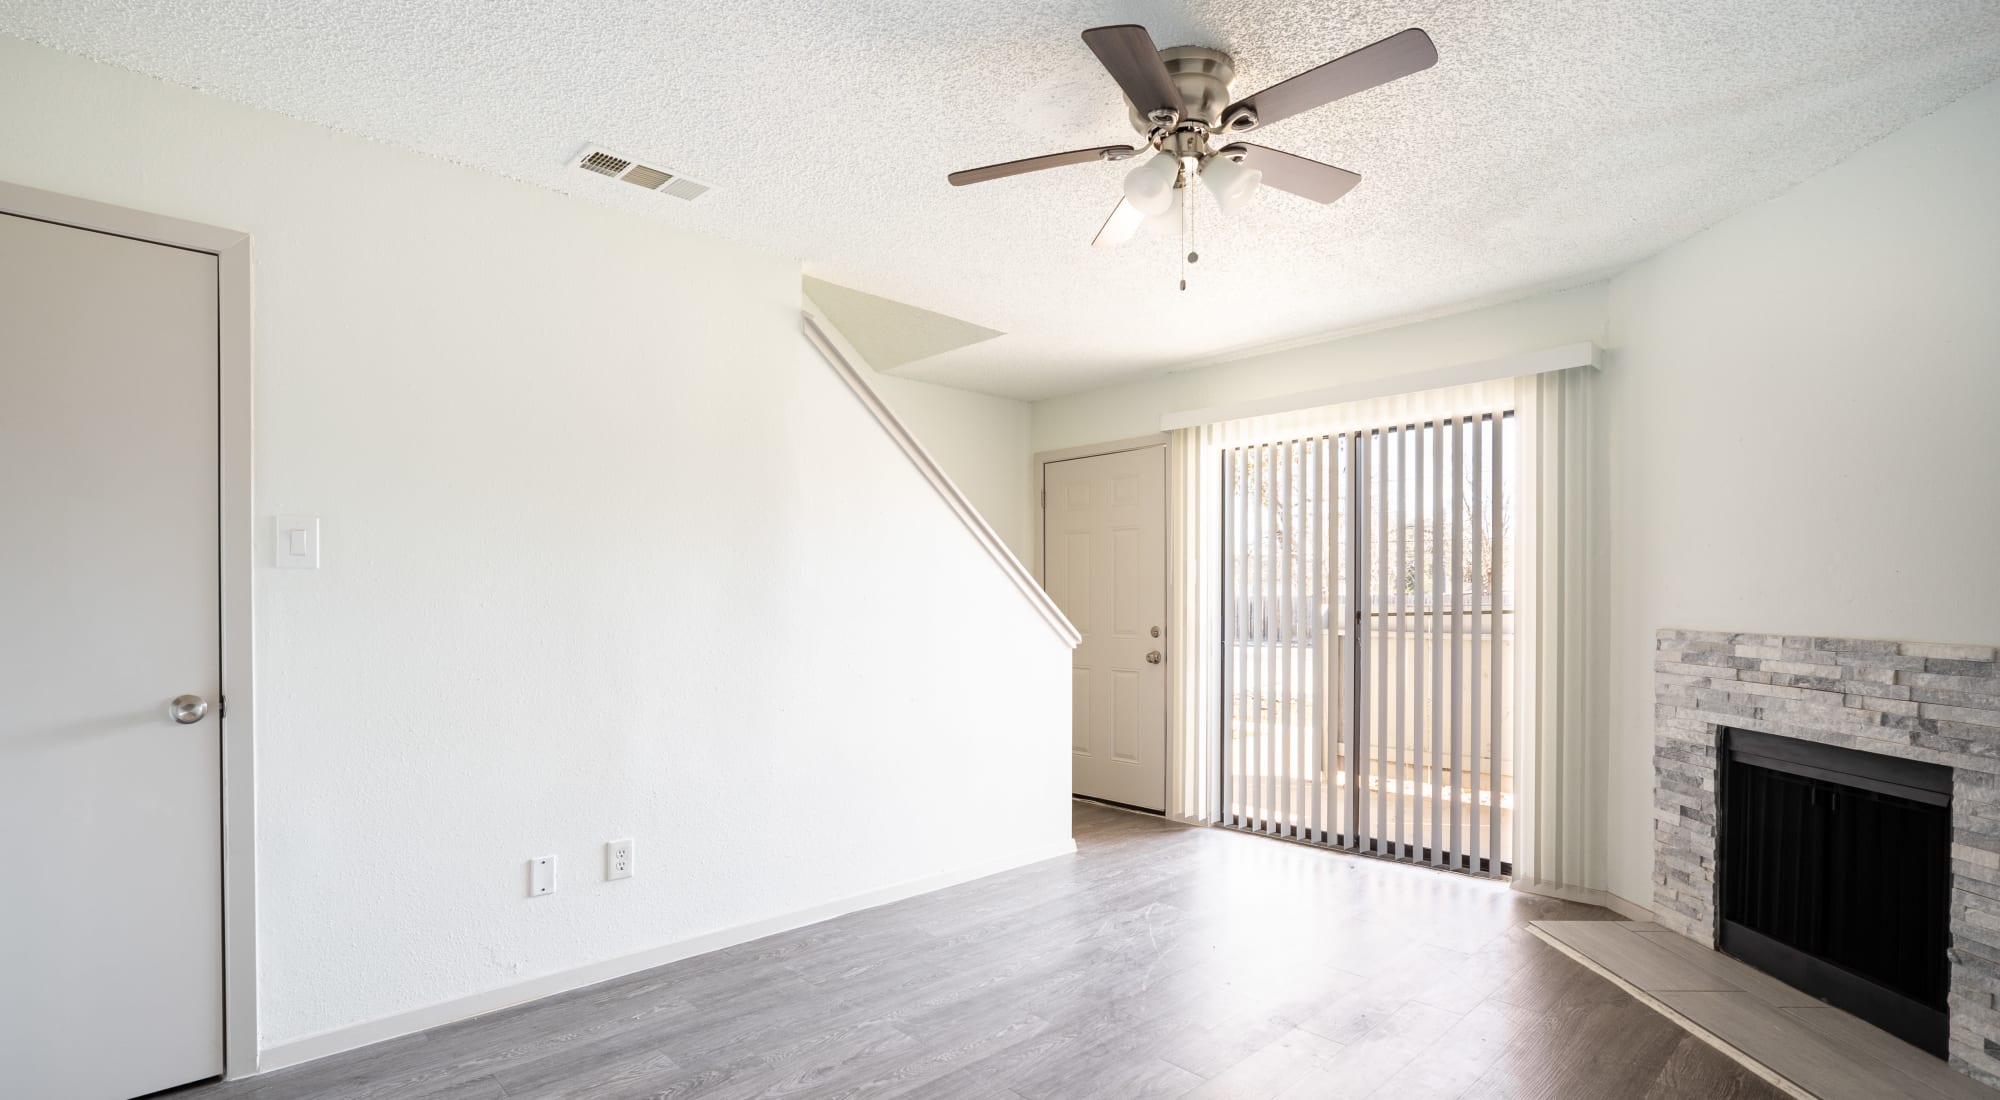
606, 163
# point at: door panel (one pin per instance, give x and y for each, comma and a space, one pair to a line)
1106, 547
111, 938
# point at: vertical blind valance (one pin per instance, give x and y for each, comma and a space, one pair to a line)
1506, 371
1402, 409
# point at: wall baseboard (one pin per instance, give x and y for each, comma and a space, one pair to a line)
353, 1036
1630, 910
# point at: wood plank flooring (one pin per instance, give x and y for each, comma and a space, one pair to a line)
1160, 961
1818, 1049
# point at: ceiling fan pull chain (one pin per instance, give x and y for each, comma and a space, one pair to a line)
1187, 233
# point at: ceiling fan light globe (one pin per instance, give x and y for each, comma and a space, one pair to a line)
1150, 187
1231, 182
1168, 221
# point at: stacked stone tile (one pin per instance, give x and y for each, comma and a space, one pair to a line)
1937, 703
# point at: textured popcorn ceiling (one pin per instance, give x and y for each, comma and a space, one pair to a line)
1552, 142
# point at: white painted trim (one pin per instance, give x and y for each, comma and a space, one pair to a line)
239, 742
1111, 447
493, 1000
50, 206
927, 466
235, 473
1038, 481
1490, 370
1630, 910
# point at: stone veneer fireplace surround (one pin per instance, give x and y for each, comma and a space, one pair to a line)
1936, 703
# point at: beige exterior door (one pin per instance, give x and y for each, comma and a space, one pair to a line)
111, 935
1105, 559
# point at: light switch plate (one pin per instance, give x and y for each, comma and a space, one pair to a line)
298, 542
541, 876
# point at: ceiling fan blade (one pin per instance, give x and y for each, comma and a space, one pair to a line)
1120, 226
1396, 56
1036, 164
1128, 53
1306, 178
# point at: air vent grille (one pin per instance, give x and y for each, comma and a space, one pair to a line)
648, 178
684, 188
604, 164
627, 170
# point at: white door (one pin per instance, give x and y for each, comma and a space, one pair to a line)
1104, 552
111, 931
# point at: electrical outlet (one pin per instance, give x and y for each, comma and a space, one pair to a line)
541, 876
618, 859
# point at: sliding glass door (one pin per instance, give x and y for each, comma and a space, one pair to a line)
1367, 640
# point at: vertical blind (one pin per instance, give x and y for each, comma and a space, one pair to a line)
1367, 640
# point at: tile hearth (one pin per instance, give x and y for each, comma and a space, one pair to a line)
1801, 1045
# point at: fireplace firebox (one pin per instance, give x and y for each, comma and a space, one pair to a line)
1834, 875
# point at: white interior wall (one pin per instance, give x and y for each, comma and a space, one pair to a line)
1799, 420
979, 440
981, 443
608, 552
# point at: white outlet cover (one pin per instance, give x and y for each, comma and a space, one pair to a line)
618, 859
541, 876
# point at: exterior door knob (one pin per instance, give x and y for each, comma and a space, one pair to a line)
1153, 658
188, 709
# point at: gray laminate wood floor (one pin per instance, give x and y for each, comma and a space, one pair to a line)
1160, 961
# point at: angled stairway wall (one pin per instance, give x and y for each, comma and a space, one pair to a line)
979, 440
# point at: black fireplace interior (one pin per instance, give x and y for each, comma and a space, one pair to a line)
1835, 877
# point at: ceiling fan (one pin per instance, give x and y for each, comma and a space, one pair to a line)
1180, 104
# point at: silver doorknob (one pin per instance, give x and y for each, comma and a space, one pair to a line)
188, 709
1153, 658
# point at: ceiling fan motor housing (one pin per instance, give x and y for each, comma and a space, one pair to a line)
1202, 76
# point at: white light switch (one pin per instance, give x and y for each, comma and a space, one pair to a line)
298, 542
